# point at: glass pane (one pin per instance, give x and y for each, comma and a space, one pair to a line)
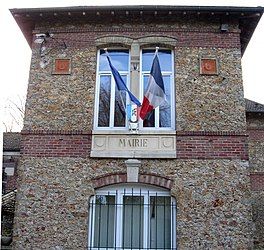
104, 101
164, 59
160, 222
119, 59
165, 107
149, 121
120, 104
133, 212
104, 221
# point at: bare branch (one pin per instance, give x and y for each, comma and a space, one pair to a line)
14, 113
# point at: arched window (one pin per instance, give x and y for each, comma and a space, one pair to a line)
132, 217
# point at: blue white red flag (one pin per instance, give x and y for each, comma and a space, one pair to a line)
155, 93
121, 84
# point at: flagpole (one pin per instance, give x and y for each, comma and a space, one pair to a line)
119, 92
156, 51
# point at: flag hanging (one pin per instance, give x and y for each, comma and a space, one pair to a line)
121, 84
155, 93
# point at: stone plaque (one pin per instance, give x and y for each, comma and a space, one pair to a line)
134, 146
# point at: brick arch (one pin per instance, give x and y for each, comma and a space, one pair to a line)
151, 179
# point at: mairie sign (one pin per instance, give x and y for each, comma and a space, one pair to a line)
127, 145
133, 142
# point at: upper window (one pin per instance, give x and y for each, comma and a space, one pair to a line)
138, 217
162, 116
111, 104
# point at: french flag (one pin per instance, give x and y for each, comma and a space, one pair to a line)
155, 93
120, 84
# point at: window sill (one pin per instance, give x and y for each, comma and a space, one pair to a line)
140, 132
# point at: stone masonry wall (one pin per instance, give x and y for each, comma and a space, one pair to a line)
213, 103
212, 211
205, 103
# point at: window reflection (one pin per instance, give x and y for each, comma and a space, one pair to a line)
165, 107
112, 103
149, 121
120, 107
104, 101
164, 59
119, 59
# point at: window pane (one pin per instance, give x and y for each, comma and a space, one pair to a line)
149, 121
104, 221
165, 107
164, 59
133, 211
120, 104
160, 222
119, 59
104, 101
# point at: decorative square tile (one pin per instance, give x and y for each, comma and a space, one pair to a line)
62, 66
208, 66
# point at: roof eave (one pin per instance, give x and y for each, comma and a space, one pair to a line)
248, 16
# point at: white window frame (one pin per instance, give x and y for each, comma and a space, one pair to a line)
172, 89
140, 85
112, 100
144, 190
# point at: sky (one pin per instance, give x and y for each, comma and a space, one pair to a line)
16, 54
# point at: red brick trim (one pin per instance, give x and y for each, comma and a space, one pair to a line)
152, 179
56, 132
185, 38
56, 145
212, 146
156, 180
88, 132
189, 144
216, 133
256, 134
257, 181
109, 179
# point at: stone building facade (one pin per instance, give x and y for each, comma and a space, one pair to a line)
184, 179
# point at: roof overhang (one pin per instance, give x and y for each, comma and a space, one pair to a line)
254, 107
248, 17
